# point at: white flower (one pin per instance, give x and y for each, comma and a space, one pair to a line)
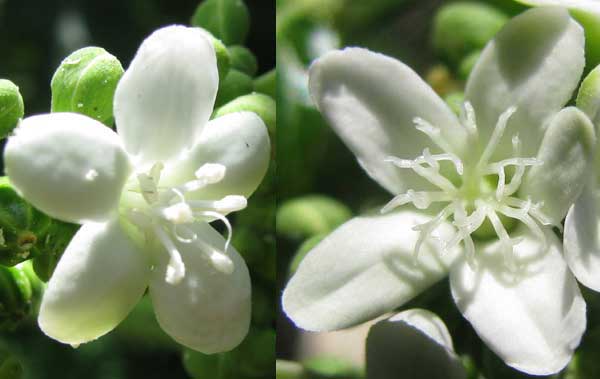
488, 187
145, 197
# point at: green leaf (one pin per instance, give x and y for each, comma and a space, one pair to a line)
228, 20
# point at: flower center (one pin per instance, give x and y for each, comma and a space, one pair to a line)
168, 214
483, 201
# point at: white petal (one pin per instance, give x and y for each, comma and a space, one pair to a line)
582, 237
362, 270
99, 279
534, 63
240, 142
209, 310
566, 152
414, 342
67, 165
532, 320
370, 100
167, 94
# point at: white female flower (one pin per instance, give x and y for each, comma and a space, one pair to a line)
145, 197
489, 186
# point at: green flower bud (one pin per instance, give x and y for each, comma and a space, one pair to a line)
306, 246
22, 227
330, 368
236, 84
15, 297
467, 64
455, 101
267, 83
228, 20
52, 248
264, 106
243, 60
11, 107
288, 370
460, 28
306, 216
85, 83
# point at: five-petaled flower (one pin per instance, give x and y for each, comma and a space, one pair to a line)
145, 197
488, 186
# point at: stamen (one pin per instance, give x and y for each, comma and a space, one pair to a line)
148, 188
501, 183
176, 229
434, 133
496, 136
426, 229
211, 173
467, 118
179, 213
522, 215
506, 242
223, 219
220, 260
421, 199
432, 176
175, 269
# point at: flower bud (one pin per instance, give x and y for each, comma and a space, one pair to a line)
15, 297
11, 107
85, 83
307, 216
22, 227
460, 28
267, 83
228, 20
243, 60
236, 84
264, 106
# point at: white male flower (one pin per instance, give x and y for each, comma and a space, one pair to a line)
145, 197
488, 188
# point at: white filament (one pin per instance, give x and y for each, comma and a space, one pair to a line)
486, 205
